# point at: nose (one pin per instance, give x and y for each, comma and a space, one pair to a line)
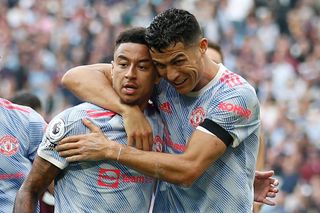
131, 72
172, 73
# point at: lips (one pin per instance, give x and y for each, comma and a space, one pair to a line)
179, 83
129, 88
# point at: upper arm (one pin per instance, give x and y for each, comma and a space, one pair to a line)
80, 74
40, 176
93, 83
237, 112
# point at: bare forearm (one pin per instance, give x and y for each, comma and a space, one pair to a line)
26, 201
38, 180
172, 168
92, 83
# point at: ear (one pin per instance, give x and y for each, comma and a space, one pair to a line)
203, 45
112, 67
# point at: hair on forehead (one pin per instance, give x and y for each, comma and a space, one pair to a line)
132, 35
173, 26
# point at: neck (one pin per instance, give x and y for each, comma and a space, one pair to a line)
209, 71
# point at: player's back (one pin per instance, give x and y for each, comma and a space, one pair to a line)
21, 131
103, 186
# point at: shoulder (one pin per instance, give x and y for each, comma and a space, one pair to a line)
19, 113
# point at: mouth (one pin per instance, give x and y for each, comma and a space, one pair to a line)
179, 83
129, 88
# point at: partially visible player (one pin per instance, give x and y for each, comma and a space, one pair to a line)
214, 52
103, 186
26, 98
21, 131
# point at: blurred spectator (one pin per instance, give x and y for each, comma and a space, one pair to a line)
275, 44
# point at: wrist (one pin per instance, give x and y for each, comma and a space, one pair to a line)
127, 110
115, 152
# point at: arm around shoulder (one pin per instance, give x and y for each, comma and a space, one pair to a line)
183, 169
91, 83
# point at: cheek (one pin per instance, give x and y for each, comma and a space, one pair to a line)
162, 73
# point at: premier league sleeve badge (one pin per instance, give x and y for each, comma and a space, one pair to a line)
55, 131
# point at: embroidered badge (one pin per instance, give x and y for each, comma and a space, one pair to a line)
55, 130
197, 116
8, 145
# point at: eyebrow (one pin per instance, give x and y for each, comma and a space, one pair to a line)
172, 60
177, 57
142, 60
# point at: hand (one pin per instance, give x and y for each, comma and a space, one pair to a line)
265, 186
138, 129
92, 146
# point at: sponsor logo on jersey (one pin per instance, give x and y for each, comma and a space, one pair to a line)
239, 110
197, 116
8, 145
112, 178
231, 79
166, 107
109, 178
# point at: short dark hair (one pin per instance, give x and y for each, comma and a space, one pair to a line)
217, 48
173, 26
27, 99
132, 35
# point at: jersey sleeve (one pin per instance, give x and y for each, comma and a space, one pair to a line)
36, 130
60, 127
234, 115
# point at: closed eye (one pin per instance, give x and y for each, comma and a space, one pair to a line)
178, 62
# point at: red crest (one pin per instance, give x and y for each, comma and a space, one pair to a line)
8, 145
166, 107
197, 116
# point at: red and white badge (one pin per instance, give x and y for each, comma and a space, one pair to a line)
197, 116
8, 145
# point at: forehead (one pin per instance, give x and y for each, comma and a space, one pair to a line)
169, 52
132, 51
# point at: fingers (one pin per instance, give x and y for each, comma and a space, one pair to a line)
271, 194
145, 143
138, 143
69, 153
150, 139
71, 139
264, 174
268, 202
130, 140
75, 158
90, 125
66, 146
275, 182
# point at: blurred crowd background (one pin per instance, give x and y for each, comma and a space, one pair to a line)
274, 44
